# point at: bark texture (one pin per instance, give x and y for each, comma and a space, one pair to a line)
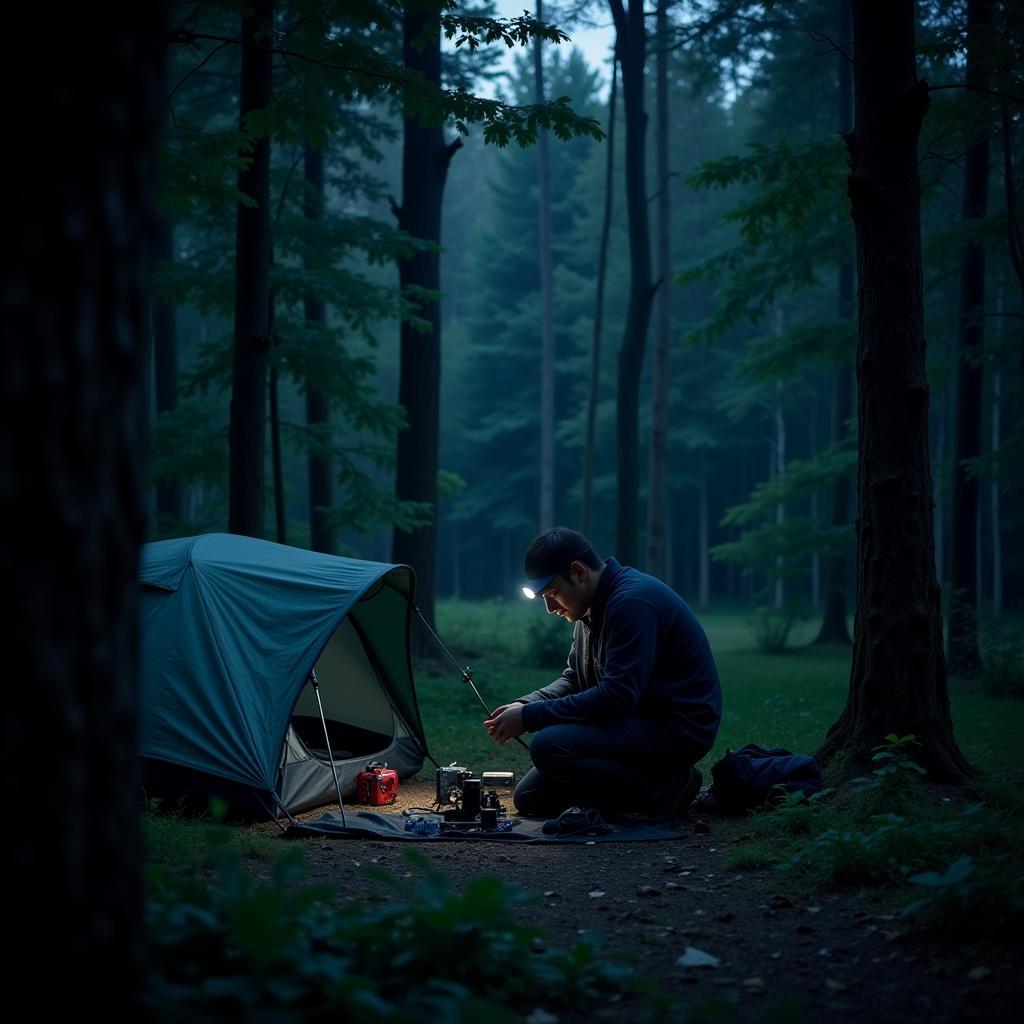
247, 431
425, 160
73, 403
964, 657
318, 413
631, 42
898, 675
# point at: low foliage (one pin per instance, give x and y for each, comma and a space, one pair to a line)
284, 951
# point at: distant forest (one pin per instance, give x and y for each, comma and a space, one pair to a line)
712, 439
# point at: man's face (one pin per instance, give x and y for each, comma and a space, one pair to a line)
568, 597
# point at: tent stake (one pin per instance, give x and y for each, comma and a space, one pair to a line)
327, 740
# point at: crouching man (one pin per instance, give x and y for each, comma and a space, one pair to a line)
638, 703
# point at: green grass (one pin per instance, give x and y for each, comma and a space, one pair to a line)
778, 700
186, 843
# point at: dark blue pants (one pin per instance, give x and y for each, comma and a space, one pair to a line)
617, 767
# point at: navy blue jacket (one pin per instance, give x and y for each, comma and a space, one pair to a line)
639, 651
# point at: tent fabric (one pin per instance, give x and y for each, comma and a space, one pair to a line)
232, 628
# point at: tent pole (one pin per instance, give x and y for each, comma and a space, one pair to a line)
466, 673
327, 740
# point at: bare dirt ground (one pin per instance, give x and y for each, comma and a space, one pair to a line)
843, 957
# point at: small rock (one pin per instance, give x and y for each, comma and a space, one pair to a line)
647, 891
834, 986
777, 955
805, 929
779, 901
693, 957
754, 985
540, 1016
550, 893
595, 894
725, 918
979, 973
824, 951
813, 910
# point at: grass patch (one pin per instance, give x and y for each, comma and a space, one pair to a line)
187, 843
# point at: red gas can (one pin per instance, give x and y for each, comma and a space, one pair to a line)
378, 785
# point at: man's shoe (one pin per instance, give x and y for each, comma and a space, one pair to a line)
679, 793
577, 821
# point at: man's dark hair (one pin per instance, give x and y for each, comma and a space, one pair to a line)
552, 552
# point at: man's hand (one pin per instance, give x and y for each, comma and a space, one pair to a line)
506, 722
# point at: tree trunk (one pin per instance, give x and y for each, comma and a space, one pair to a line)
778, 468
964, 658
76, 268
547, 311
169, 504
703, 542
997, 538
833, 620
321, 537
425, 160
898, 674
595, 348
657, 497
247, 430
631, 37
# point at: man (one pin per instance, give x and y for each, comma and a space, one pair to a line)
638, 703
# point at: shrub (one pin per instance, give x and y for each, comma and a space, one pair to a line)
282, 951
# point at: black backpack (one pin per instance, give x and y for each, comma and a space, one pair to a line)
744, 778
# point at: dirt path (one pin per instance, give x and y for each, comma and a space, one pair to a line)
842, 957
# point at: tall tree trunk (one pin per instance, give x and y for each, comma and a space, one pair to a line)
778, 468
703, 541
321, 537
247, 432
586, 501
833, 620
997, 536
169, 504
76, 327
657, 497
631, 40
547, 311
898, 674
425, 160
964, 658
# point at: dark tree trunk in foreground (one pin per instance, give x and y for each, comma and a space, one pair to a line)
586, 501
898, 675
547, 309
75, 316
631, 38
247, 435
657, 497
833, 620
964, 658
169, 504
321, 537
425, 159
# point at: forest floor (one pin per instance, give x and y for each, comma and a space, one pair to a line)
840, 954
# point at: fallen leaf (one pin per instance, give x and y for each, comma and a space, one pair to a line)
693, 957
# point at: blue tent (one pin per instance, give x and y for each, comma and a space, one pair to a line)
233, 628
